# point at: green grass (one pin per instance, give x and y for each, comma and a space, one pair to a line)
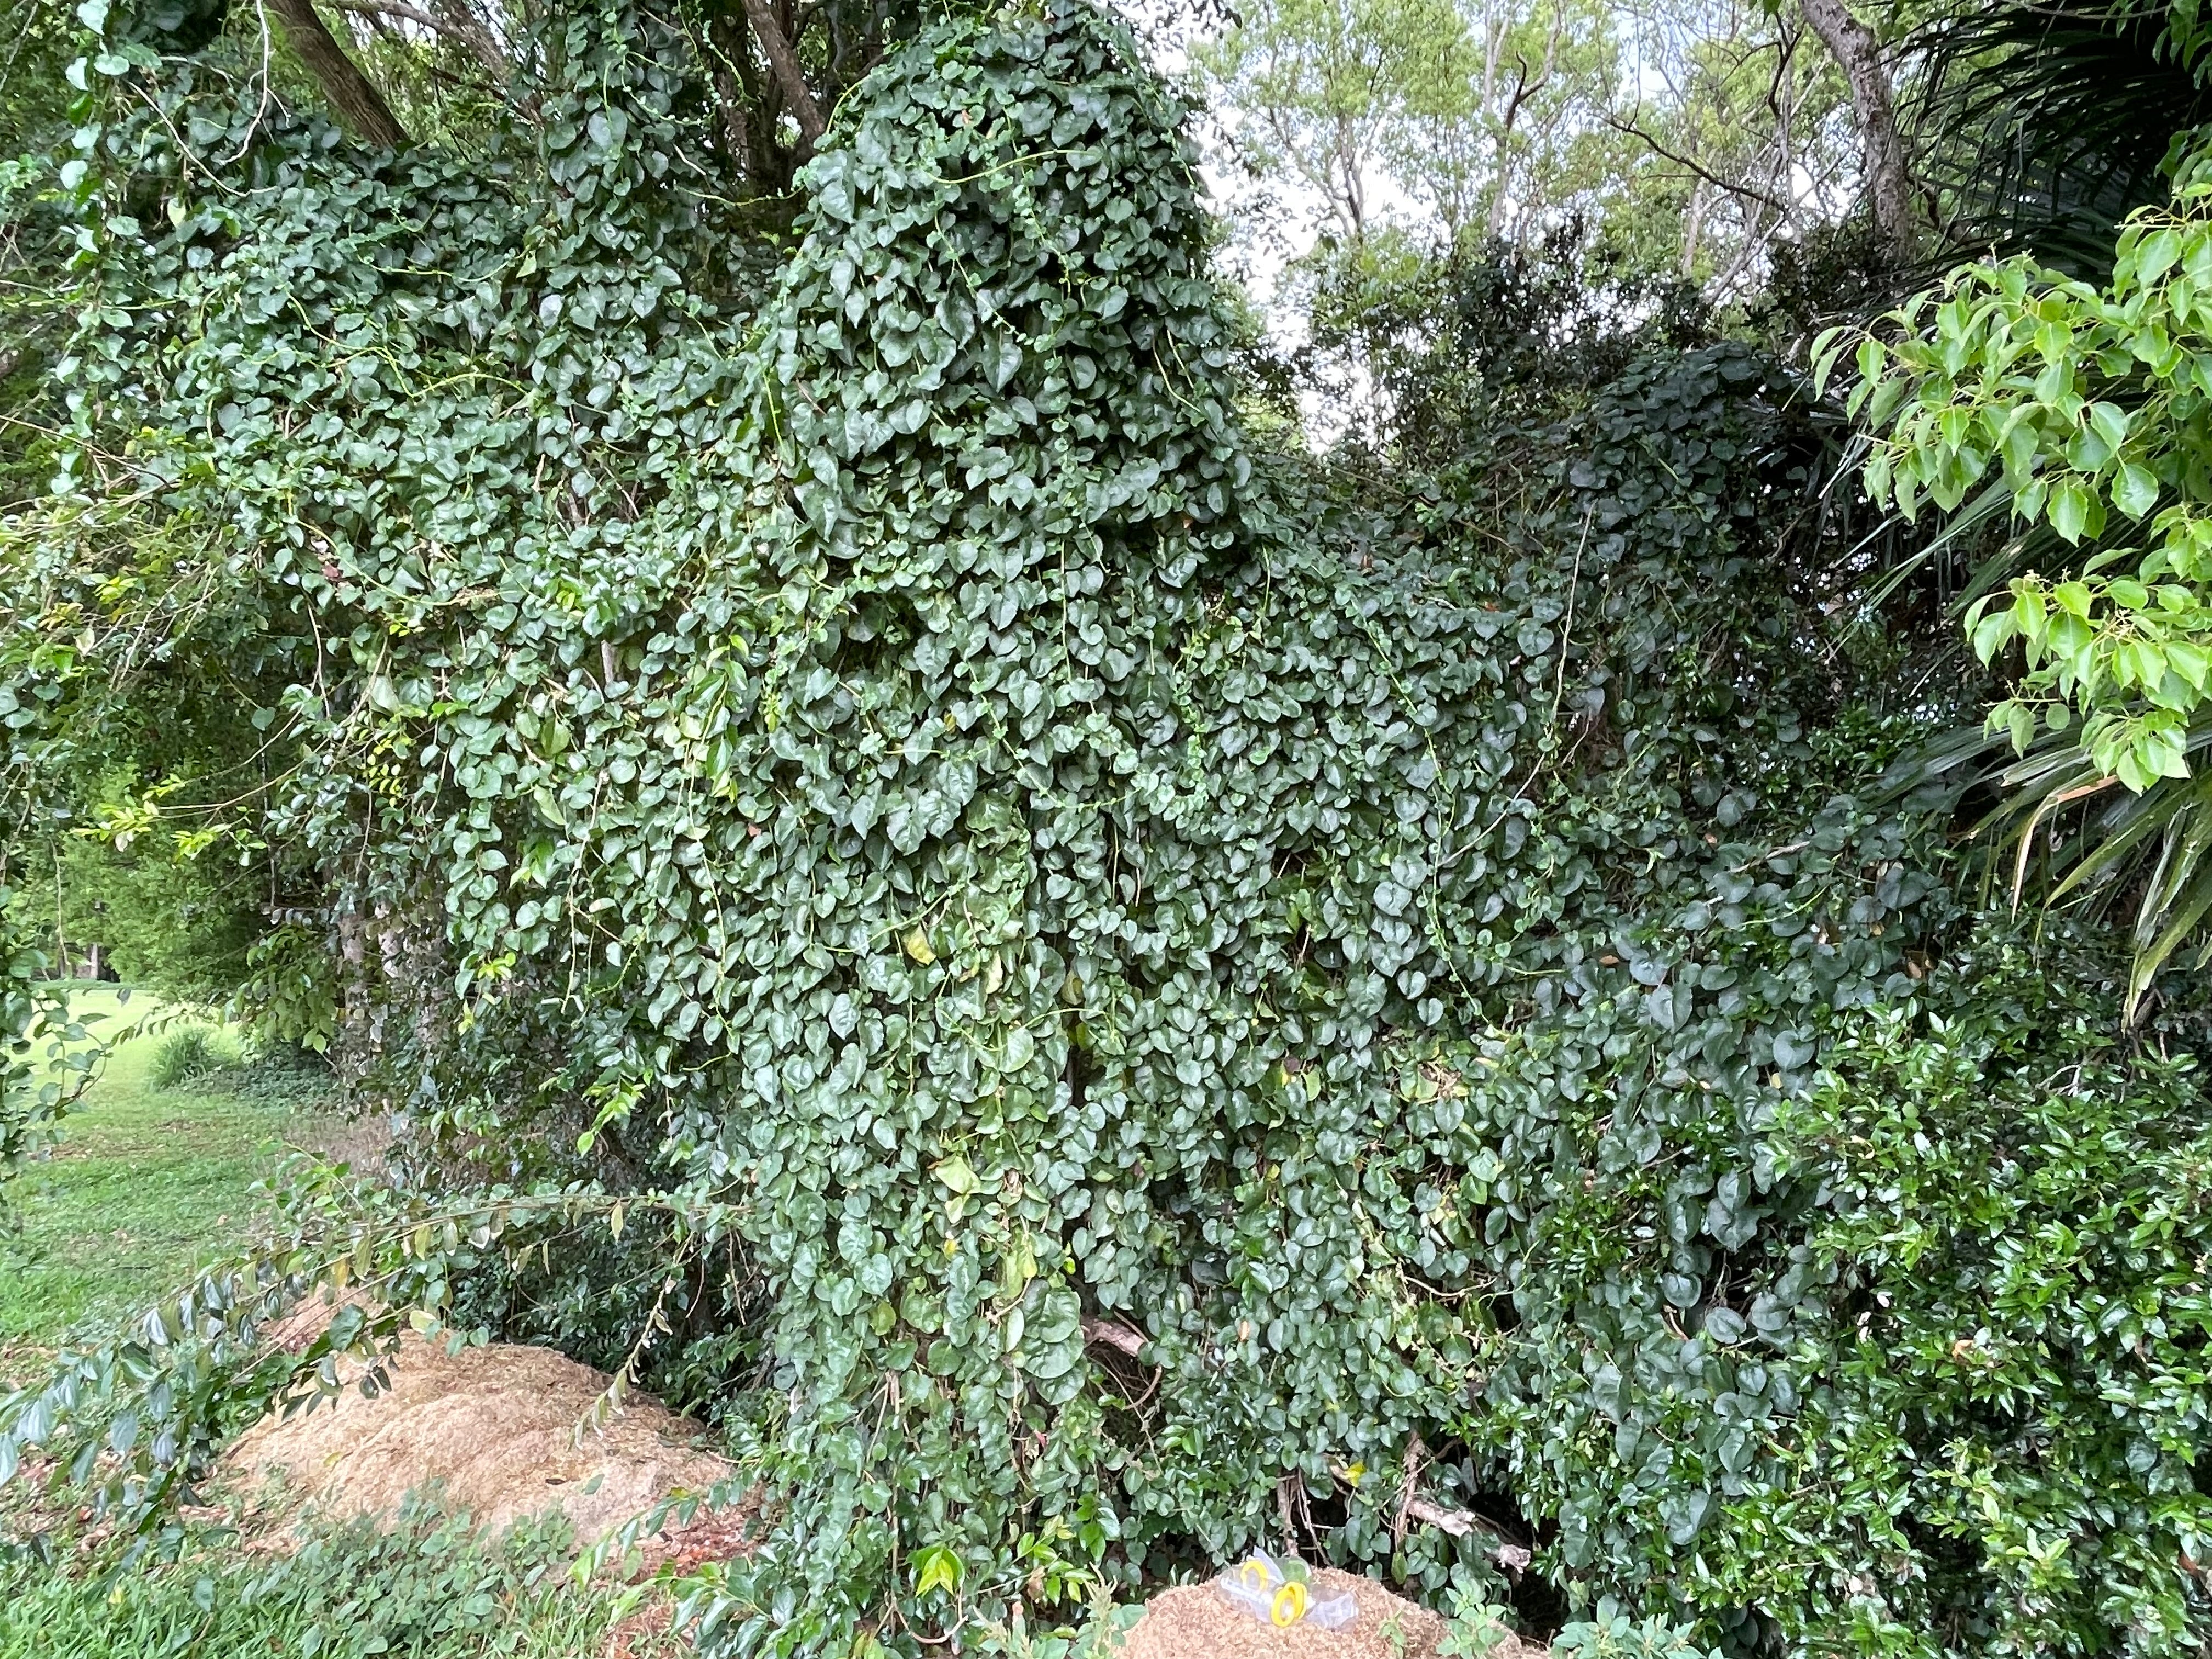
428, 1587
148, 1185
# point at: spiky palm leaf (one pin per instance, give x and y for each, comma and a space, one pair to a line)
2064, 830
2039, 125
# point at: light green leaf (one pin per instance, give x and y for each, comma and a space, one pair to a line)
2135, 490
957, 1176
2069, 510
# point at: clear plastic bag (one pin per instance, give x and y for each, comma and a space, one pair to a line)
1281, 1593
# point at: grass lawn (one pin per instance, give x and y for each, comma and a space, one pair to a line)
148, 1185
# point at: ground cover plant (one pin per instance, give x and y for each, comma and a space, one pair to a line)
427, 1586
1092, 991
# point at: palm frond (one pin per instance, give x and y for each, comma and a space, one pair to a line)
2039, 125
2066, 832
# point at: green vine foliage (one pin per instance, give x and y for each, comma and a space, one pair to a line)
1023, 872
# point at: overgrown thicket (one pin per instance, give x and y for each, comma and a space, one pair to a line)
1094, 991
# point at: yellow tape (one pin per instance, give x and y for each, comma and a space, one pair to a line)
1290, 1604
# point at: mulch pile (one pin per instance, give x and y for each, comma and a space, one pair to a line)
1197, 1622
498, 1429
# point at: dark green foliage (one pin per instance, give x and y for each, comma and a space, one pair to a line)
35, 315
1479, 342
2041, 125
883, 770
2007, 1447
278, 1073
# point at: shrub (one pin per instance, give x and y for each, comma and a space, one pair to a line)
2006, 1431
189, 1055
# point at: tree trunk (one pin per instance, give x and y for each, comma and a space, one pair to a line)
351, 93
788, 74
1693, 225
748, 105
1889, 185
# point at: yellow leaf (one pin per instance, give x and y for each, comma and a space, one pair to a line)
917, 946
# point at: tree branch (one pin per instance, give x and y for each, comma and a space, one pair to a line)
455, 24
1734, 187
788, 74
351, 93
466, 32
1889, 185
1458, 1524
1107, 1334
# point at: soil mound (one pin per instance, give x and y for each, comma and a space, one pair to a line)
1195, 1622
496, 1427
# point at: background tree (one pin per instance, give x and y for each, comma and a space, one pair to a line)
1517, 139
1738, 140
1679, 143
1325, 90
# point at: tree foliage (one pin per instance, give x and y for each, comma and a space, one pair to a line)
1688, 139
2085, 406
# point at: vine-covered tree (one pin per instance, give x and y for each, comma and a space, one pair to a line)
1092, 989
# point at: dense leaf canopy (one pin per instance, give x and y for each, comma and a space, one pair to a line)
868, 756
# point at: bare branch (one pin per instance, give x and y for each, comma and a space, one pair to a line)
1458, 1524
464, 30
389, 8
1733, 187
1106, 1334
